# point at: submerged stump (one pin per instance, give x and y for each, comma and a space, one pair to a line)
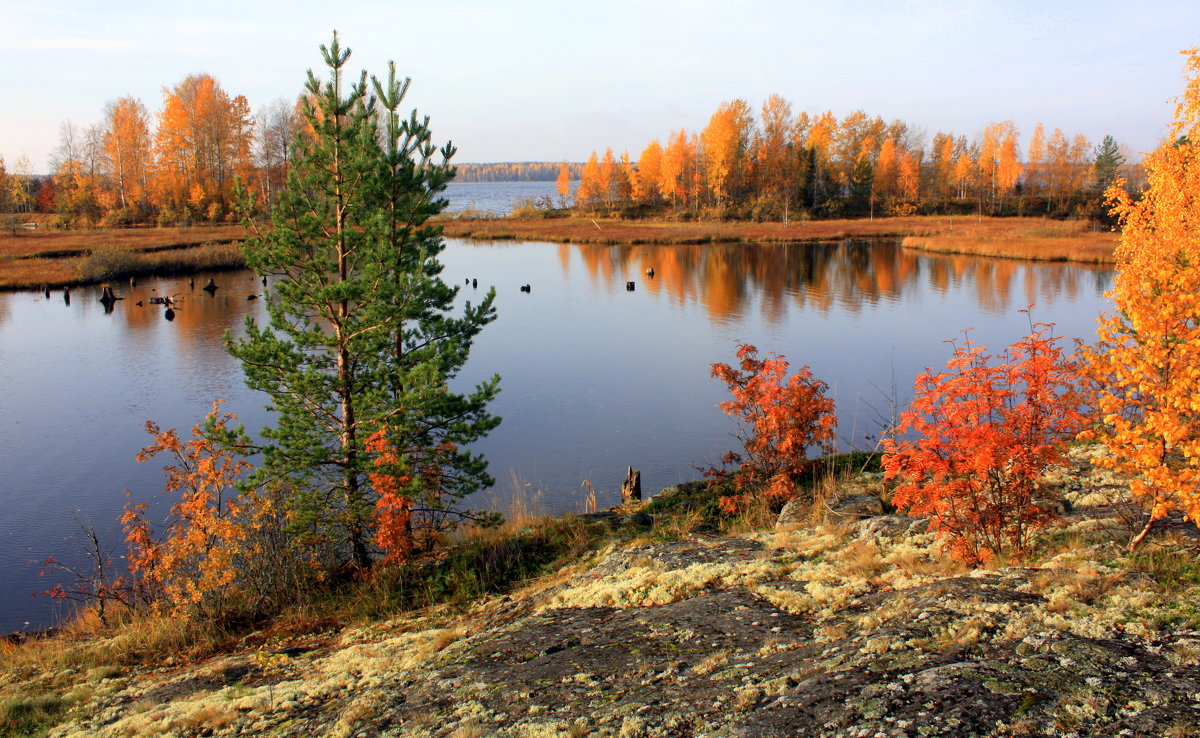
631, 488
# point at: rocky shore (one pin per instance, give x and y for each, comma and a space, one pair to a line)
856, 625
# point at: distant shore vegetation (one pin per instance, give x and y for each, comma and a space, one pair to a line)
781, 165
179, 166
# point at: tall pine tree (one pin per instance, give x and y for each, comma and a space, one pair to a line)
362, 343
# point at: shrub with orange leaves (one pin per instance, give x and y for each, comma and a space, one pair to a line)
983, 433
393, 508
413, 503
193, 567
1146, 362
781, 419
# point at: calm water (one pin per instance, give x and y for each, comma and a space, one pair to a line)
498, 197
595, 378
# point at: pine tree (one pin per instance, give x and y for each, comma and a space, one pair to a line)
361, 343
1108, 162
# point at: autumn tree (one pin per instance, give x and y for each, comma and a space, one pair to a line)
774, 153
969, 449
676, 169
941, 156
781, 418
725, 141
1146, 362
908, 184
887, 170
202, 146
623, 179
5, 189
998, 167
609, 179
563, 184
645, 185
21, 186
127, 144
362, 340
591, 185
1034, 160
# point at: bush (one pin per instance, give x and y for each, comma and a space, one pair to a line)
984, 433
111, 264
782, 418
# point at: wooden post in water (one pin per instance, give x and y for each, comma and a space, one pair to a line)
631, 488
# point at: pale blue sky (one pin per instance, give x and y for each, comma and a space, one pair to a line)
533, 80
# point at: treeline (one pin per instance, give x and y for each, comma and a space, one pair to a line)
515, 171
174, 166
783, 164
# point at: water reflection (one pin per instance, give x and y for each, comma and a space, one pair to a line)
594, 378
728, 279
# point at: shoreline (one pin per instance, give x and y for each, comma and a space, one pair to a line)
1018, 238
37, 260
33, 260
851, 607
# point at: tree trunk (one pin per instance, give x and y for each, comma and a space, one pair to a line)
631, 488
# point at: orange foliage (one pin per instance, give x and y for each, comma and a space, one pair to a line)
411, 487
782, 418
725, 141
591, 186
984, 432
193, 567
563, 183
393, 509
645, 183
1147, 360
203, 144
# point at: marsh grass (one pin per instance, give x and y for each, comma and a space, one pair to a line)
29, 260
1022, 238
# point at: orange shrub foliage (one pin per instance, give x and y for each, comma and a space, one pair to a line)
1147, 359
393, 509
412, 494
193, 566
781, 419
983, 433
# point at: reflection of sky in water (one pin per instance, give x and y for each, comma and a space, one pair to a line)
594, 378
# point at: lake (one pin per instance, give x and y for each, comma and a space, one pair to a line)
594, 378
499, 197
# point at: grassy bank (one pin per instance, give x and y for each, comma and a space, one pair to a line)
1024, 238
1039, 240
33, 259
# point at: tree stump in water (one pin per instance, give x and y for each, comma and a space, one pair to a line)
631, 488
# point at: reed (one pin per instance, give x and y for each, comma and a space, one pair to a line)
31, 260
1015, 237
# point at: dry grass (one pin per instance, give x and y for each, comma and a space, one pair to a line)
1025, 238
1022, 238
58, 258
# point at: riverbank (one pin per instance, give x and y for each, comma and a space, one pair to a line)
844, 621
37, 259
32, 259
1021, 238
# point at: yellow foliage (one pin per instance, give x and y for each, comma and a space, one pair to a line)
1146, 363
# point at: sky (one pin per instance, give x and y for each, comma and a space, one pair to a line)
527, 80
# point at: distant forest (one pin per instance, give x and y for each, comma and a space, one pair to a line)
180, 164
515, 171
779, 163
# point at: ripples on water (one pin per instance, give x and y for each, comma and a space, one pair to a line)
594, 378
